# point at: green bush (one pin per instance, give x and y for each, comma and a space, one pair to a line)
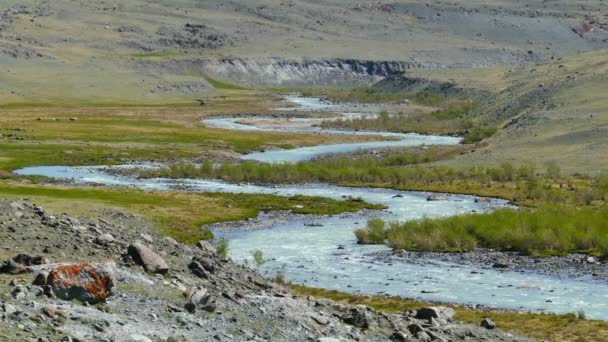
374, 233
478, 134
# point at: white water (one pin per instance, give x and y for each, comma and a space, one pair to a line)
327, 256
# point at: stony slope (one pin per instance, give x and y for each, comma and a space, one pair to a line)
189, 293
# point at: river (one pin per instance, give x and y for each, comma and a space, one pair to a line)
324, 253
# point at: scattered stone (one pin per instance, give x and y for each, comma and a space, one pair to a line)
438, 312
8, 309
147, 238
145, 257
170, 241
206, 246
502, 263
21, 262
488, 324
104, 239
358, 317
399, 336
197, 297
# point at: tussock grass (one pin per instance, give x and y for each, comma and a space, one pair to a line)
523, 184
547, 230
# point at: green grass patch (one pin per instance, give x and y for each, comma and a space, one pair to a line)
222, 85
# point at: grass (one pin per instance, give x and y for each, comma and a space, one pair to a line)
113, 135
221, 85
547, 230
177, 214
447, 120
549, 327
522, 184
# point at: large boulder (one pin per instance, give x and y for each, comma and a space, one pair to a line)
437, 312
145, 257
84, 282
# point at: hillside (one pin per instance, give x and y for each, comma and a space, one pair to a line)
164, 51
555, 111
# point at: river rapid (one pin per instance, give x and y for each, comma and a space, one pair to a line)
322, 252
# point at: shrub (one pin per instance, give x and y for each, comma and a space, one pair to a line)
223, 248
374, 233
258, 257
478, 134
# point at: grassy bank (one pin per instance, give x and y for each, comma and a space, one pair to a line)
116, 134
367, 94
447, 120
547, 230
523, 184
177, 214
555, 328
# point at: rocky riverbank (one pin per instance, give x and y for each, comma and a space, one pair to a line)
571, 266
111, 277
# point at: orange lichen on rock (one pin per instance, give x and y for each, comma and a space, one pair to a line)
81, 281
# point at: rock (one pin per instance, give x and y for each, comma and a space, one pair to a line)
502, 263
40, 278
436, 197
399, 336
8, 309
438, 312
202, 267
20, 293
358, 317
197, 297
21, 262
145, 257
198, 270
49, 312
12, 267
170, 241
328, 339
104, 239
83, 282
488, 324
423, 336
147, 238
415, 329
206, 246
139, 338
320, 319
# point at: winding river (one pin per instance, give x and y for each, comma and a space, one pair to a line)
322, 251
